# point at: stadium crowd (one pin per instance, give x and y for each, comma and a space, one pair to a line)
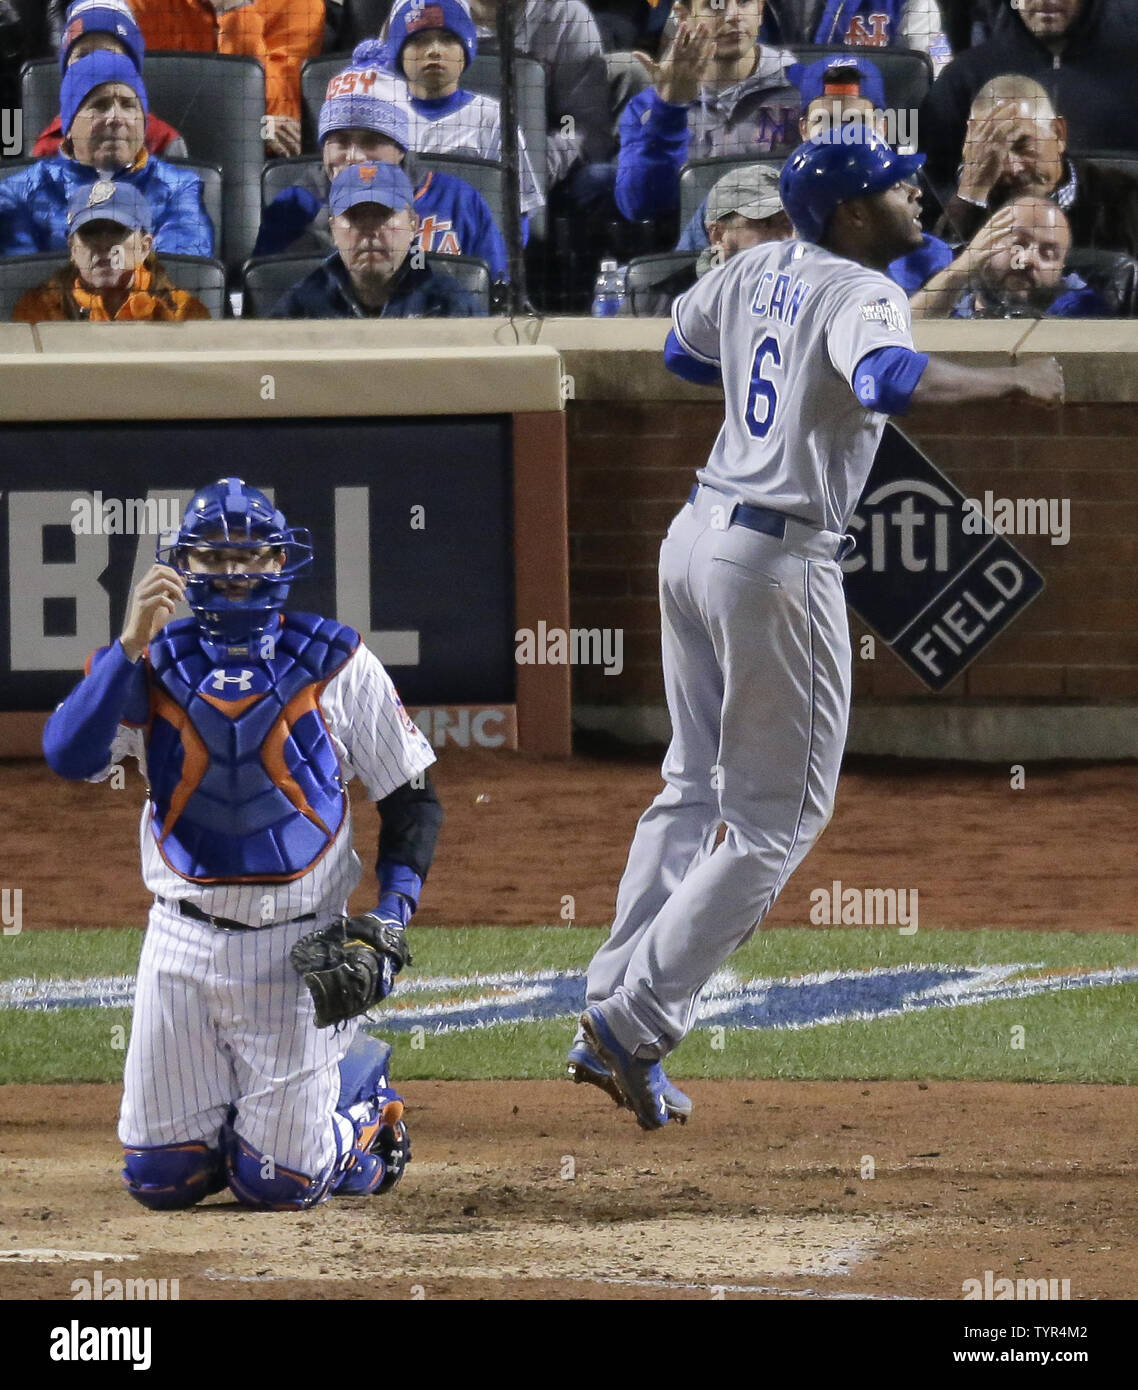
174, 159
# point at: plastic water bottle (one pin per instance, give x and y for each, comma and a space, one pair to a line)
608, 292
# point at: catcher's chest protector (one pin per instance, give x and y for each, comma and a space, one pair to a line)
244, 779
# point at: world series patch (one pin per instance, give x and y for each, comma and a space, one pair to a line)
884, 312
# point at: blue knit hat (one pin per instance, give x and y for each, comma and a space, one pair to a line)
411, 17
113, 17
84, 75
360, 111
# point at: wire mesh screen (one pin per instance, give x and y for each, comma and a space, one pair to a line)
567, 145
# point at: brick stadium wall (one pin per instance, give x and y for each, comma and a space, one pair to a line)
631, 464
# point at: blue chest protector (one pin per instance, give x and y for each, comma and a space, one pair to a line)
245, 782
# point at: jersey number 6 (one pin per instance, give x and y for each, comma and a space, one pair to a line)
762, 401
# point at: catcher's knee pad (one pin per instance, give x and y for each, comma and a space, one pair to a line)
257, 1180
170, 1176
363, 1070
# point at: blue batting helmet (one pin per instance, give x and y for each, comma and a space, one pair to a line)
232, 515
847, 162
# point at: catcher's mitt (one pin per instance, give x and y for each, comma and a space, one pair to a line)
350, 965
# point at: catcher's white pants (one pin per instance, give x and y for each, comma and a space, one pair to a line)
222, 1018
756, 658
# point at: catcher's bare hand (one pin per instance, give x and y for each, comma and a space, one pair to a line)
1040, 380
152, 605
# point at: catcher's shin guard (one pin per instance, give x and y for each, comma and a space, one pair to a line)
169, 1177
381, 1147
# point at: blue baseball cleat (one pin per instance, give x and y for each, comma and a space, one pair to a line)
643, 1085
584, 1065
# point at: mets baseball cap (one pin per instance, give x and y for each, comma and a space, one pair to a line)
107, 201
751, 191
113, 17
839, 76
83, 76
385, 184
361, 111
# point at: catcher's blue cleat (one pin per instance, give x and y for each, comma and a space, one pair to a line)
584, 1065
641, 1084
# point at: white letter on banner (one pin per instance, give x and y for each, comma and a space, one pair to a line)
353, 581
30, 581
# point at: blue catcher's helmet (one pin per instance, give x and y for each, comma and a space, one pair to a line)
229, 514
846, 162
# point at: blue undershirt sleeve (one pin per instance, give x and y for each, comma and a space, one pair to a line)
885, 379
77, 738
682, 364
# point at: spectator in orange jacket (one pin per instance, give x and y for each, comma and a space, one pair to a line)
109, 24
113, 274
280, 33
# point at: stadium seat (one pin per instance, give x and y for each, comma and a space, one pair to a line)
303, 170
698, 177
267, 278
1113, 274
201, 276
215, 101
1125, 161
646, 273
906, 72
482, 76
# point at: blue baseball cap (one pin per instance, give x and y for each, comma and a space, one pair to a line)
113, 17
385, 184
83, 76
361, 111
107, 201
813, 80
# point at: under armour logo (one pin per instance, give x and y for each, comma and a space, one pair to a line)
243, 680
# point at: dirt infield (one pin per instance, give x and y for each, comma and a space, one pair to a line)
541, 1189
522, 832
761, 1196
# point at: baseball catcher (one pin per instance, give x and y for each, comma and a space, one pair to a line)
246, 1067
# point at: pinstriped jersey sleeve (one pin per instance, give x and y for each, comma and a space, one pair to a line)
373, 733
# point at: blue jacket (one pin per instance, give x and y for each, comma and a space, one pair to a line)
416, 294
757, 116
33, 205
454, 218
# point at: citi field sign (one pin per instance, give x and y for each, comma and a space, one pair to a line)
930, 574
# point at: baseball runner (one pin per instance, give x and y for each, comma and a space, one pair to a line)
812, 343
245, 1065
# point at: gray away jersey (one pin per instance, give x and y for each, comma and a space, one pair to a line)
787, 323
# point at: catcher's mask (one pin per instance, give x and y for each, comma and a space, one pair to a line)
234, 610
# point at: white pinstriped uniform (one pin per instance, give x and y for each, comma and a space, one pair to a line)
221, 1016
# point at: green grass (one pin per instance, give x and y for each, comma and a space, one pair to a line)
1071, 1035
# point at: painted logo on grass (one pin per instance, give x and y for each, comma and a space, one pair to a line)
458, 1003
